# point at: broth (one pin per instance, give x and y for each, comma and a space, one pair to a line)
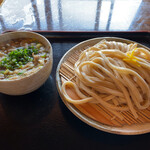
21, 57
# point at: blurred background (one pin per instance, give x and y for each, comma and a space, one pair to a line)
75, 15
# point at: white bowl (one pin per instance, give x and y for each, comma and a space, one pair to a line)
31, 82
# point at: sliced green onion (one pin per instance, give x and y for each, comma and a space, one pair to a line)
43, 56
19, 57
2, 72
20, 73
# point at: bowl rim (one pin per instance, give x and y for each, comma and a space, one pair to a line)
127, 130
50, 53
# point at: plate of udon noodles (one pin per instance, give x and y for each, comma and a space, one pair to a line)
105, 82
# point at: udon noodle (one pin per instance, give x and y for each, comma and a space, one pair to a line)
113, 74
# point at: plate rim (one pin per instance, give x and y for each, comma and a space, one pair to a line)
124, 130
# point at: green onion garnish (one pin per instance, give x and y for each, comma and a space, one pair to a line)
18, 57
